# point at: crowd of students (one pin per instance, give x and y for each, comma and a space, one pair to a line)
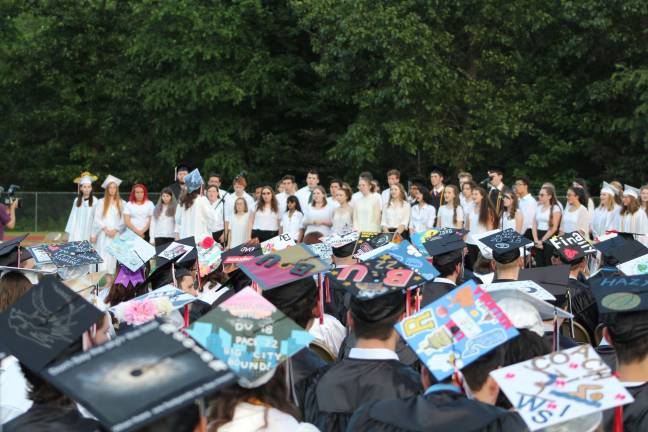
368, 378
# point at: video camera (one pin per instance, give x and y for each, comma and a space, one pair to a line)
8, 196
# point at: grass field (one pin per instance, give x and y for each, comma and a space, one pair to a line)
34, 237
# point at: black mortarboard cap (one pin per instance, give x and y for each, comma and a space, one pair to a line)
182, 167
444, 243
140, 376
572, 247
180, 261
552, 278
45, 321
369, 241
439, 170
286, 295
9, 251
618, 250
505, 245
73, 254
242, 252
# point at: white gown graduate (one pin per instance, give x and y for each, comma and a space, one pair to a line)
197, 220
113, 219
79, 224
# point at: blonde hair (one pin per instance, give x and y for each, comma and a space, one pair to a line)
108, 199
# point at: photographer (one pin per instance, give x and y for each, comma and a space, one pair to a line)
8, 216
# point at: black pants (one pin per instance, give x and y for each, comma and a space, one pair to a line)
543, 256
161, 241
264, 235
216, 235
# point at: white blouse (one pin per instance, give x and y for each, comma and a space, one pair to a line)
475, 227
312, 214
238, 229
446, 214
577, 220
604, 220
542, 217
139, 213
342, 220
266, 220
366, 213
508, 222
162, 226
292, 224
394, 215
218, 207
422, 217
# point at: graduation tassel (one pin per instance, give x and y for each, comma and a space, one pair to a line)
408, 299
175, 281
571, 320
327, 288
417, 299
18, 265
555, 343
320, 298
255, 287
186, 316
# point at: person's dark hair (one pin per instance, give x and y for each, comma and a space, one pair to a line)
187, 199
338, 181
312, 237
393, 172
583, 185
314, 172
289, 177
446, 263
214, 175
580, 194
13, 285
366, 176
523, 179
119, 293
512, 210
476, 373
426, 194
79, 199
487, 214
260, 204
302, 310
274, 393
380, 330
623, 328
295, 200
171, 208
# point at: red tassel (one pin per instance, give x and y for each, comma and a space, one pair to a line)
618, 414
327, 287
320, 298
408, 303
418, 299
186, 316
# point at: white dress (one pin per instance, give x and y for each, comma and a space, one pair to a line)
79, 224
238, 229
139, 213
366, 213
577, 220
342, 220
422, 218
604, 220
636, 223
321, 213
162, 226
445, 215
112, 220
292, 224
197, 220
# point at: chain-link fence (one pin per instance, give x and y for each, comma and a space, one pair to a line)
49, 211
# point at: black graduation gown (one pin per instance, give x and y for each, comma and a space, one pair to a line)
176, 188
635, 415
303, 365
608, 355
492, 195
346, 385
434, 290
405, 354
583, 305
41, 417
438, 411
435, 199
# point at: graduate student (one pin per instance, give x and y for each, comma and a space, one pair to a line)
108, 222
179, 185
423, 213
264, 220
448, 260
238, 224
451, 213
607, 216
79, 224
305, 194
139, 211
162, 230
437, 177
465, 198
527, 204
239, 185
367, 207
289, 185
627, 331
393, 177
370, 373
481, 219
512, 216
633, 218
317, 214
292, 221
545, 224
496, 187
342, 215
214, 196
194, 215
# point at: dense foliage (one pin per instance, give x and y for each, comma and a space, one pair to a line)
550, 88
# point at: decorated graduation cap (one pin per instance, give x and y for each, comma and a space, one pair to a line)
505, 245
552, 278
287, 265
456, 329
419, 238
193, 180
609, 189
546, 310
572, 247
45, 321
620, 294
251, 335
131, 250
156, 303
73, 254
634, 267
110, 179
32, 274
243, 252
209, 255
343, 244
408, 255
86, 177
277, 243
631, 191
140, 376
618, 250
368, 241
561, 386
444, 243
181, 252
528, 286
